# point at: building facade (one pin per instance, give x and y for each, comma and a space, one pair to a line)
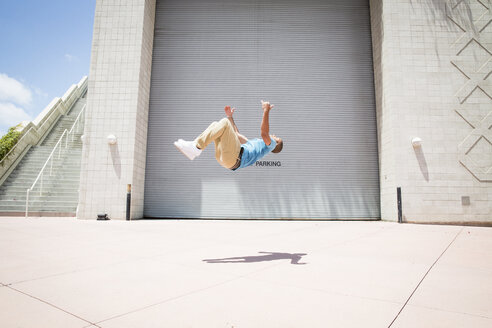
355, 82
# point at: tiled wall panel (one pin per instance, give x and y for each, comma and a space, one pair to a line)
435, 83
118, 95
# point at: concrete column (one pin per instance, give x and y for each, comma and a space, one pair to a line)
384, 115
431, 64
117, 104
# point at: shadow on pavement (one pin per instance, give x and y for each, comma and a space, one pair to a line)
269, 256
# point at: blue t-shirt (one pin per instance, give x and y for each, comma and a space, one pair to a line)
254, 150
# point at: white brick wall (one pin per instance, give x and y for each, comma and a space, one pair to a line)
423, 45
118, 96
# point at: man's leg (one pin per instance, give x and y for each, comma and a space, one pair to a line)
193, 149
214, 131
227, 144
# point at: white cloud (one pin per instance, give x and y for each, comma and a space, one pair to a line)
40, 92
14, 91
70, 58
11, 115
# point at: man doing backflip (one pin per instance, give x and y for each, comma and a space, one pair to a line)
232, 149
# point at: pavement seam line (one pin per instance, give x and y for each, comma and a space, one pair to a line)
169, 300
425, 275
450, 311
323, 291
52, 305
95, 267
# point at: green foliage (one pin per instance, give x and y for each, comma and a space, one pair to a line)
8, 141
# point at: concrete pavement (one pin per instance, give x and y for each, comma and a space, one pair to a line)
64, 272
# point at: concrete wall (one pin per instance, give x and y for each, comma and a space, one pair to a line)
117, 103
433, 60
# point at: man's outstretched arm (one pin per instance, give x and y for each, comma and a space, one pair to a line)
265, 124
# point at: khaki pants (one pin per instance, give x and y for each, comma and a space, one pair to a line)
227, 145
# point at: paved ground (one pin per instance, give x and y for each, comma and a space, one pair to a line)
70, 273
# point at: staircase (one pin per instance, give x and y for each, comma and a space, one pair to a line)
59, 195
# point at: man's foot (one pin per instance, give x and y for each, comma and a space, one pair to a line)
188, 148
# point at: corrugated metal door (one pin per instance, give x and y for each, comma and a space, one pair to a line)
313, 60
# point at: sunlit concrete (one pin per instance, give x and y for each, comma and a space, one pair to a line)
64, 272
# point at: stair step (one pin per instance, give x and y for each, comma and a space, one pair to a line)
38, 214
34, 202
46, 184
54, 192
72, 158
19, 201
67, 158
59, 168
46, 178
57, 171
38, 198
36, 192
39, 208
38, 202
44, 157
34, 205
34, 171
47, 188
57, 162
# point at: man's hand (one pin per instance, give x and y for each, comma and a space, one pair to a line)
265, 105
229, 111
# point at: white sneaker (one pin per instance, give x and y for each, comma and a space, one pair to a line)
188, 148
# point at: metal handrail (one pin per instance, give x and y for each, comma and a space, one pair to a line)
40, 175
76, 122
75, 125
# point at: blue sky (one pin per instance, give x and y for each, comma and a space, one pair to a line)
45, 47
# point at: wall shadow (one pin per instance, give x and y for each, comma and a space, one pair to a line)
269, 256
419, 153
447, 15
116, 159
439, 11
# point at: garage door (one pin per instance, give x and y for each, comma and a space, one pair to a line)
313, 60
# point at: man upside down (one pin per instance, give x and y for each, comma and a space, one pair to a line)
232, 149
